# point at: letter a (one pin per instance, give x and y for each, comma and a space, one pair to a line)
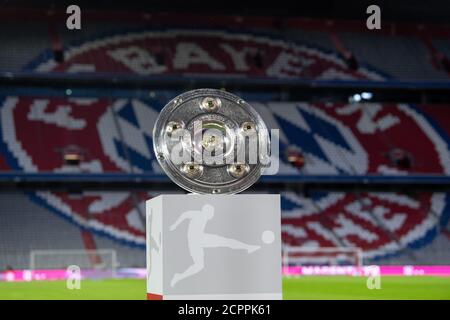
374, 20
74, 20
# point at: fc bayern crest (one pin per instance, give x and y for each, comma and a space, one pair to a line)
115, 135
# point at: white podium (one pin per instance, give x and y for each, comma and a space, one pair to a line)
214, 247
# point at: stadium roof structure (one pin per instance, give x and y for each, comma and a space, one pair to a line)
436, 11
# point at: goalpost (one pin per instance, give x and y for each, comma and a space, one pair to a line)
101, 261
332, 256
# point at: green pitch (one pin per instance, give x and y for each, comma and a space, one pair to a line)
326, 287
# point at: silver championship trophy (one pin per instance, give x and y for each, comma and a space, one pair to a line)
213, 243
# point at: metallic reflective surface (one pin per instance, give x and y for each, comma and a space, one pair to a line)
217, 122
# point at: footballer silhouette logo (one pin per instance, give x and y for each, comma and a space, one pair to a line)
199, 241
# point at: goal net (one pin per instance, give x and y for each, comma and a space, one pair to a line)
333, 256
101, 262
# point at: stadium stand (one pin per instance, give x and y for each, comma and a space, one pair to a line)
107, 135
27, 226
399, 56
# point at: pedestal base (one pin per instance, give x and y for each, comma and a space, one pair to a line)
214, 247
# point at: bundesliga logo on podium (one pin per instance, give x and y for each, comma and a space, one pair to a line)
213, 243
